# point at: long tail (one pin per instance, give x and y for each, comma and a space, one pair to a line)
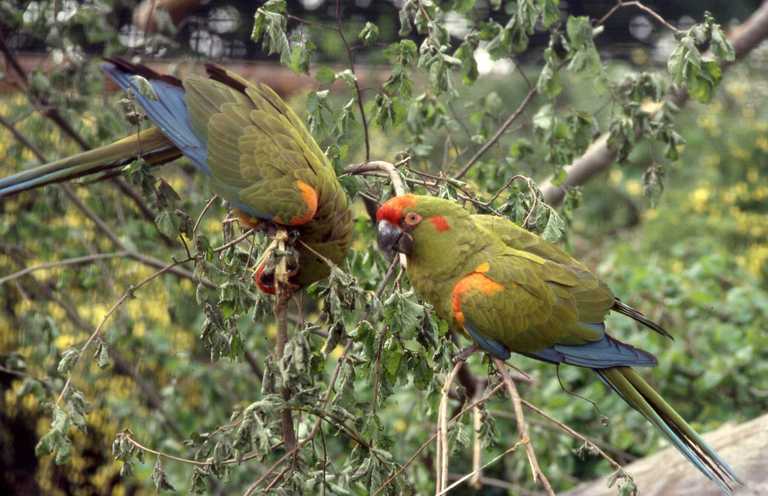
642, 397
151, 144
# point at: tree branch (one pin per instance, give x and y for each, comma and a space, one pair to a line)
499, 132
599, 157
522, 428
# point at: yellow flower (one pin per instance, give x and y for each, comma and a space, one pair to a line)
634, 187
757, 256
700, 198
615, 176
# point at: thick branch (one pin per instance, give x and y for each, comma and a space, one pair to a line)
599, 157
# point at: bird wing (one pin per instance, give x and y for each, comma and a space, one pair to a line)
261, 156
520, 302
592, 288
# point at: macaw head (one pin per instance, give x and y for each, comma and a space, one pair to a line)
414, 225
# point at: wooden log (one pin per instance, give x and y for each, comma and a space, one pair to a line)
667, 473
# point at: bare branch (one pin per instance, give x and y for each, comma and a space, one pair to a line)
442, 449
63, 263
640, 6
522, 428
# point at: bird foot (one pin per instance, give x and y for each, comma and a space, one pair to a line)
465, 353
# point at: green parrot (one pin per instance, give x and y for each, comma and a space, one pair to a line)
511, 291
256, 151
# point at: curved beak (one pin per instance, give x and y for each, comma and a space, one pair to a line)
393, 239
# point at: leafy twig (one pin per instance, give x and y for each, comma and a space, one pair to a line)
358, 92
498, 134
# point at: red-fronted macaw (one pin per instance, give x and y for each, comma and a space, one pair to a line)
511, 291
255, 149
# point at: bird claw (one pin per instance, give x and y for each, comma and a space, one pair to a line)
465, 353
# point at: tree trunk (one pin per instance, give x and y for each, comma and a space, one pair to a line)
667, 473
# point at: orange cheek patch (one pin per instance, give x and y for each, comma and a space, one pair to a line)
473, 282
309, 195
440, 223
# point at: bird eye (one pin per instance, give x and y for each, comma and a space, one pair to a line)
412, 218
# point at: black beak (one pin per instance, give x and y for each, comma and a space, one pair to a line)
393, 239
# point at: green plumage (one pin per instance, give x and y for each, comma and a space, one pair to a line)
258, 150
511, 291
259, 155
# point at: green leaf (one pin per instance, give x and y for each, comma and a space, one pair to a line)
579, 30
555, 227
721, 46
102, 356
550, 12
159, 478
325, 75
369, 34
144, 88
269, 27
347, 76
68, 360
549, 82
301, 54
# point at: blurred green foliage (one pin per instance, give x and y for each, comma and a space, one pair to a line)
678, 229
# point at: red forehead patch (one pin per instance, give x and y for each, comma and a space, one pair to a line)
439, 222
392, 209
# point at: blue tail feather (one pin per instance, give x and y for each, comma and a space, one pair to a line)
168, 111
607, 352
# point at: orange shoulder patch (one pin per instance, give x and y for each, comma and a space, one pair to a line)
476, 281
309, 195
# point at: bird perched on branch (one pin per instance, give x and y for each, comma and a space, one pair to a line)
256, 151
511, 291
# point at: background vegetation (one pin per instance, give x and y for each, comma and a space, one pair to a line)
175, 390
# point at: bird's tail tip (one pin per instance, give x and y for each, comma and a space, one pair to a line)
641, 396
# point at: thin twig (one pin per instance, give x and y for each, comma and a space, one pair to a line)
203, 212
379, 166
522, 428
189, 461
570, 431
442, 450
498, 134
63, 263
127, 294
477, 445
426, 443
476, 472
620, 4
358, 92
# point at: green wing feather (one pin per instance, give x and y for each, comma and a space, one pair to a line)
260, 152
534, 310
593, 296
